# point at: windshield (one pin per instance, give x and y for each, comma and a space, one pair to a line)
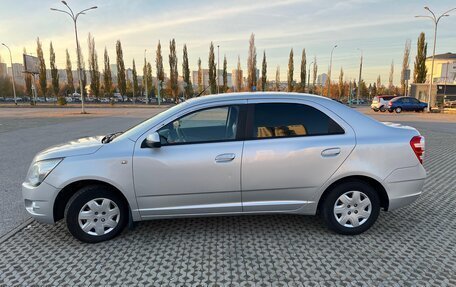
144, 125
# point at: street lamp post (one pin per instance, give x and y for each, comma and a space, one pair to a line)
75, 18
358, 94
12, 74
145, 77
329, 72
218, 67
435, 20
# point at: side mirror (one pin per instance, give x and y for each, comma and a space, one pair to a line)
151, 141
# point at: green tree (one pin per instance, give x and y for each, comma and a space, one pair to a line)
121, 75
341, 84
54, 72
81, 67
42, 68
135, 80
225, 75
200, 76
159, 67
93, 67
264, 68
186, 74
303, 70
173, 73
107, 75
251, 64
420, 71
28, 81
150, 85
69, 73
290, 71
212, 70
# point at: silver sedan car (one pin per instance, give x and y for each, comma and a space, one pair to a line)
246, 153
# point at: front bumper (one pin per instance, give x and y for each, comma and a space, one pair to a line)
39, 201
404, 186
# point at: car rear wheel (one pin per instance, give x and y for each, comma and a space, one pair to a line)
398, 110
96, 214
382, 109
351, 208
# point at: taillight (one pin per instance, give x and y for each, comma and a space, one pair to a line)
417, 144
390, 104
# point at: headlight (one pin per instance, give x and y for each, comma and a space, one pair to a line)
40, 169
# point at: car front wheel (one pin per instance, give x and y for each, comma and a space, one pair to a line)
95, 214
351, 208
398, 110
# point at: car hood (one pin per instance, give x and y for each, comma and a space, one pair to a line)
82, 146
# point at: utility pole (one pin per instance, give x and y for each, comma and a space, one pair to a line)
435, 20
75, 18
358, 95
329, 72
12, 74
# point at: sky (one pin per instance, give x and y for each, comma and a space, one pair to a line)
378, 28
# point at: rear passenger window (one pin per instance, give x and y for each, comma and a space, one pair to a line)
274, 120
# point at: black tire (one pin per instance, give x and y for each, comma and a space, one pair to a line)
382, 109
327, 207
80, 199
398, 110
390, 110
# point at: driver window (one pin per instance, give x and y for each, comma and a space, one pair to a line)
208, 125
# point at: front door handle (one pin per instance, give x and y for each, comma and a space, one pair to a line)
225, 157
329, 152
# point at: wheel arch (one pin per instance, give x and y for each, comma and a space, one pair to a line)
379, 188
70, 189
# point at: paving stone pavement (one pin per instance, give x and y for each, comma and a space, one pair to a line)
413, 246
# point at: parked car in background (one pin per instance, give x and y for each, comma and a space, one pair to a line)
399, 104
233, 154
380, 103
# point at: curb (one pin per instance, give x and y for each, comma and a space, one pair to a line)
15, 230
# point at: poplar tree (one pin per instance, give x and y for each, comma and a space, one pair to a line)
315, 71
391, 78
420, 71
251, 64
186, 74
121, 75
341, 84
225, 75
264, 68
81, 67
200, 76
42, 68
239, 76
277, 79
303, 70
290, 71
159, 67
405, 65
212, 70
69, 72
150, 85
173, 73
54, 72
93, 67
135, 79
28, 81
107, 75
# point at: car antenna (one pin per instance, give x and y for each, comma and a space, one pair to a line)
202, 91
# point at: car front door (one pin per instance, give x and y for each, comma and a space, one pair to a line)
197, 168
291, 150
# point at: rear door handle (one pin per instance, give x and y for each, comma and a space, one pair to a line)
225, 157
329, 152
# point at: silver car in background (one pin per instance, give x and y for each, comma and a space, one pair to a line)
245, 153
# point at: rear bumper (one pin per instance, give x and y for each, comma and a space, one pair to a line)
39, 201
404, 186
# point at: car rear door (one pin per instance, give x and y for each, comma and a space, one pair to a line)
291, 150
